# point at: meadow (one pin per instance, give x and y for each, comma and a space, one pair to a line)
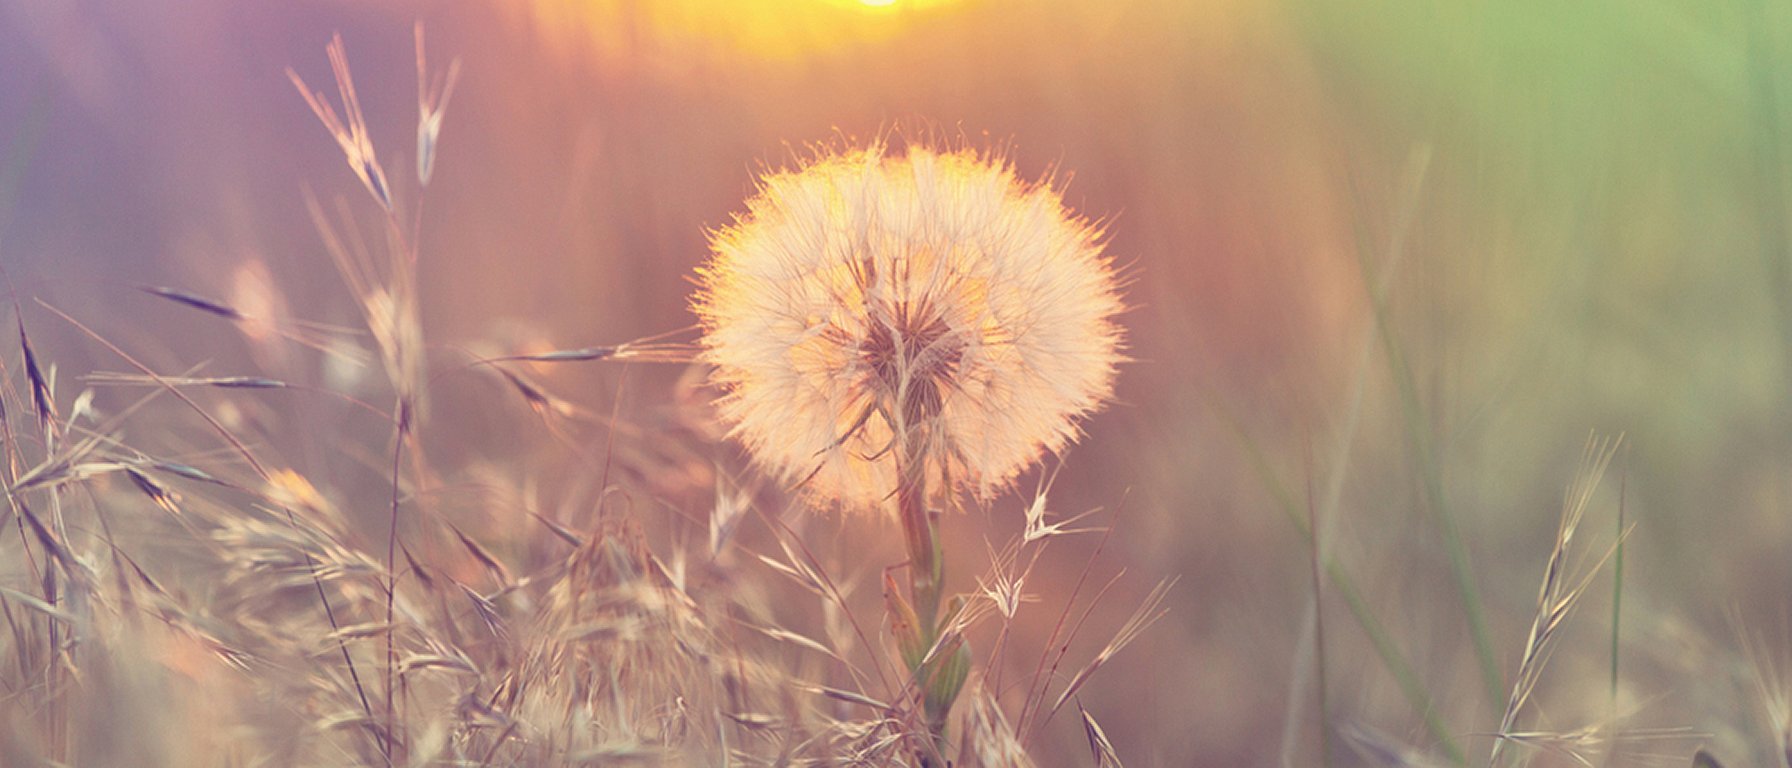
1440, 415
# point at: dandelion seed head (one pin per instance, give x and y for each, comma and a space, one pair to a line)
871, 300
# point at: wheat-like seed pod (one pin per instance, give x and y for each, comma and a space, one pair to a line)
870, 303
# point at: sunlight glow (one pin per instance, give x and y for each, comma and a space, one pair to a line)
685, 33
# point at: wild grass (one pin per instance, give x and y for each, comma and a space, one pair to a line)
181, 592
444, 555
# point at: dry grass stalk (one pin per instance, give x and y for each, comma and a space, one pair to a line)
1564, 582
253, 593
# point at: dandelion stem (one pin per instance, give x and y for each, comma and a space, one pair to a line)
926, 574
925, 568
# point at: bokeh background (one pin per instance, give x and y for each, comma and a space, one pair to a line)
1400, 258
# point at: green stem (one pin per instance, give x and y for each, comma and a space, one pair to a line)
925, 569
1425, 453
926, 573
1391, 657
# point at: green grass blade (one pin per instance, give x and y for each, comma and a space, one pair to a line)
1391, 657
1425, 454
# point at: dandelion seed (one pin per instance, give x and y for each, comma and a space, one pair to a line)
926, 298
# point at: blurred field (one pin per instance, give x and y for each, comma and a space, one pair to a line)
1398, 260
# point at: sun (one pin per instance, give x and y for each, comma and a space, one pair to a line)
687, 34
888, 5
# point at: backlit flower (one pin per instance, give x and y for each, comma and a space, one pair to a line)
870, 302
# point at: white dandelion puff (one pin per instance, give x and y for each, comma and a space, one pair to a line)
924, 303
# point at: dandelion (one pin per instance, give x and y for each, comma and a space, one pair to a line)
884, 323
930, 300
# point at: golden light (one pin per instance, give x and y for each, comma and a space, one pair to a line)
890, 5
684, 33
